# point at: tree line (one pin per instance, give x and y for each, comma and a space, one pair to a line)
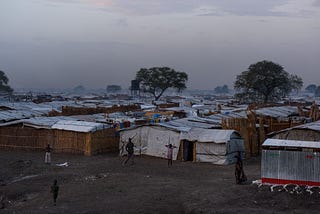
264, 81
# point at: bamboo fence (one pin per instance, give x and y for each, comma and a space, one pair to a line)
19, 137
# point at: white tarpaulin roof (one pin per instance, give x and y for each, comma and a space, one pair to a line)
10, 115
44, 122
62, 123
79, 126
291, 143
207, 135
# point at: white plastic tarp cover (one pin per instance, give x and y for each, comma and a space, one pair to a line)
151, 140
79, 126
208, 135
211, 152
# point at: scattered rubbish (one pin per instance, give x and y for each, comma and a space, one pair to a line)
23, 178
95, 177
273, 187
290, 188
309, 190
62, 164
257, 182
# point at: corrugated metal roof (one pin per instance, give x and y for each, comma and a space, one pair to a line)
291, 143
315, 126
312, 126
277, 111
193, 122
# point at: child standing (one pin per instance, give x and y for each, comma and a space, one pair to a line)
47, 157
170, 153
54, 191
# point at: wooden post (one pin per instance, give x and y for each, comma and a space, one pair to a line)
87, 151
194, 152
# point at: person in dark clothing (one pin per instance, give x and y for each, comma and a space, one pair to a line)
130, 150
239, 173
54, 191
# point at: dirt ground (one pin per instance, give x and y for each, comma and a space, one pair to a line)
100, 184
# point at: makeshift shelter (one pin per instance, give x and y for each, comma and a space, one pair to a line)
150, 140
63, 133
290, 162
192, 144
213, 145
308, 132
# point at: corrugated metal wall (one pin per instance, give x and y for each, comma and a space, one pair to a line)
291, 165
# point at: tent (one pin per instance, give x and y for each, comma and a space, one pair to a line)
150, 140
192, 144
213, 145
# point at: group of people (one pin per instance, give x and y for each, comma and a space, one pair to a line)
129, 147
54, 189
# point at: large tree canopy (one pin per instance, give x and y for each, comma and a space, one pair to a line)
4, 87
158, 79
265, 81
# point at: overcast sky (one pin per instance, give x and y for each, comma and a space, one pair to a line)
95, 43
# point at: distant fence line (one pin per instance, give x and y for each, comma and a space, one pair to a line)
71, 110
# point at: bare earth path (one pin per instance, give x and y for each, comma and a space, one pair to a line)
100, 184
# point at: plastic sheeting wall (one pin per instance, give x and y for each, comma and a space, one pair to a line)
299, 167
222, 153
151, 140
211, 152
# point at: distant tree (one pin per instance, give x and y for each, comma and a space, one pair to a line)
157, 80
265, 81
311, 88
221, 89
317, 92
113, 88
79, 89
4, 86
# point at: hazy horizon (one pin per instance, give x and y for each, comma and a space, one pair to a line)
95, 43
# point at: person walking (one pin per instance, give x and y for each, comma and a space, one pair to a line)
47, 157
239, 172
54, 191
130, 151
170, 153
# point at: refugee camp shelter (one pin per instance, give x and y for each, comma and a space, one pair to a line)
304, 132
216, 146
290, 162
192, 144
150, 140
64, 134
